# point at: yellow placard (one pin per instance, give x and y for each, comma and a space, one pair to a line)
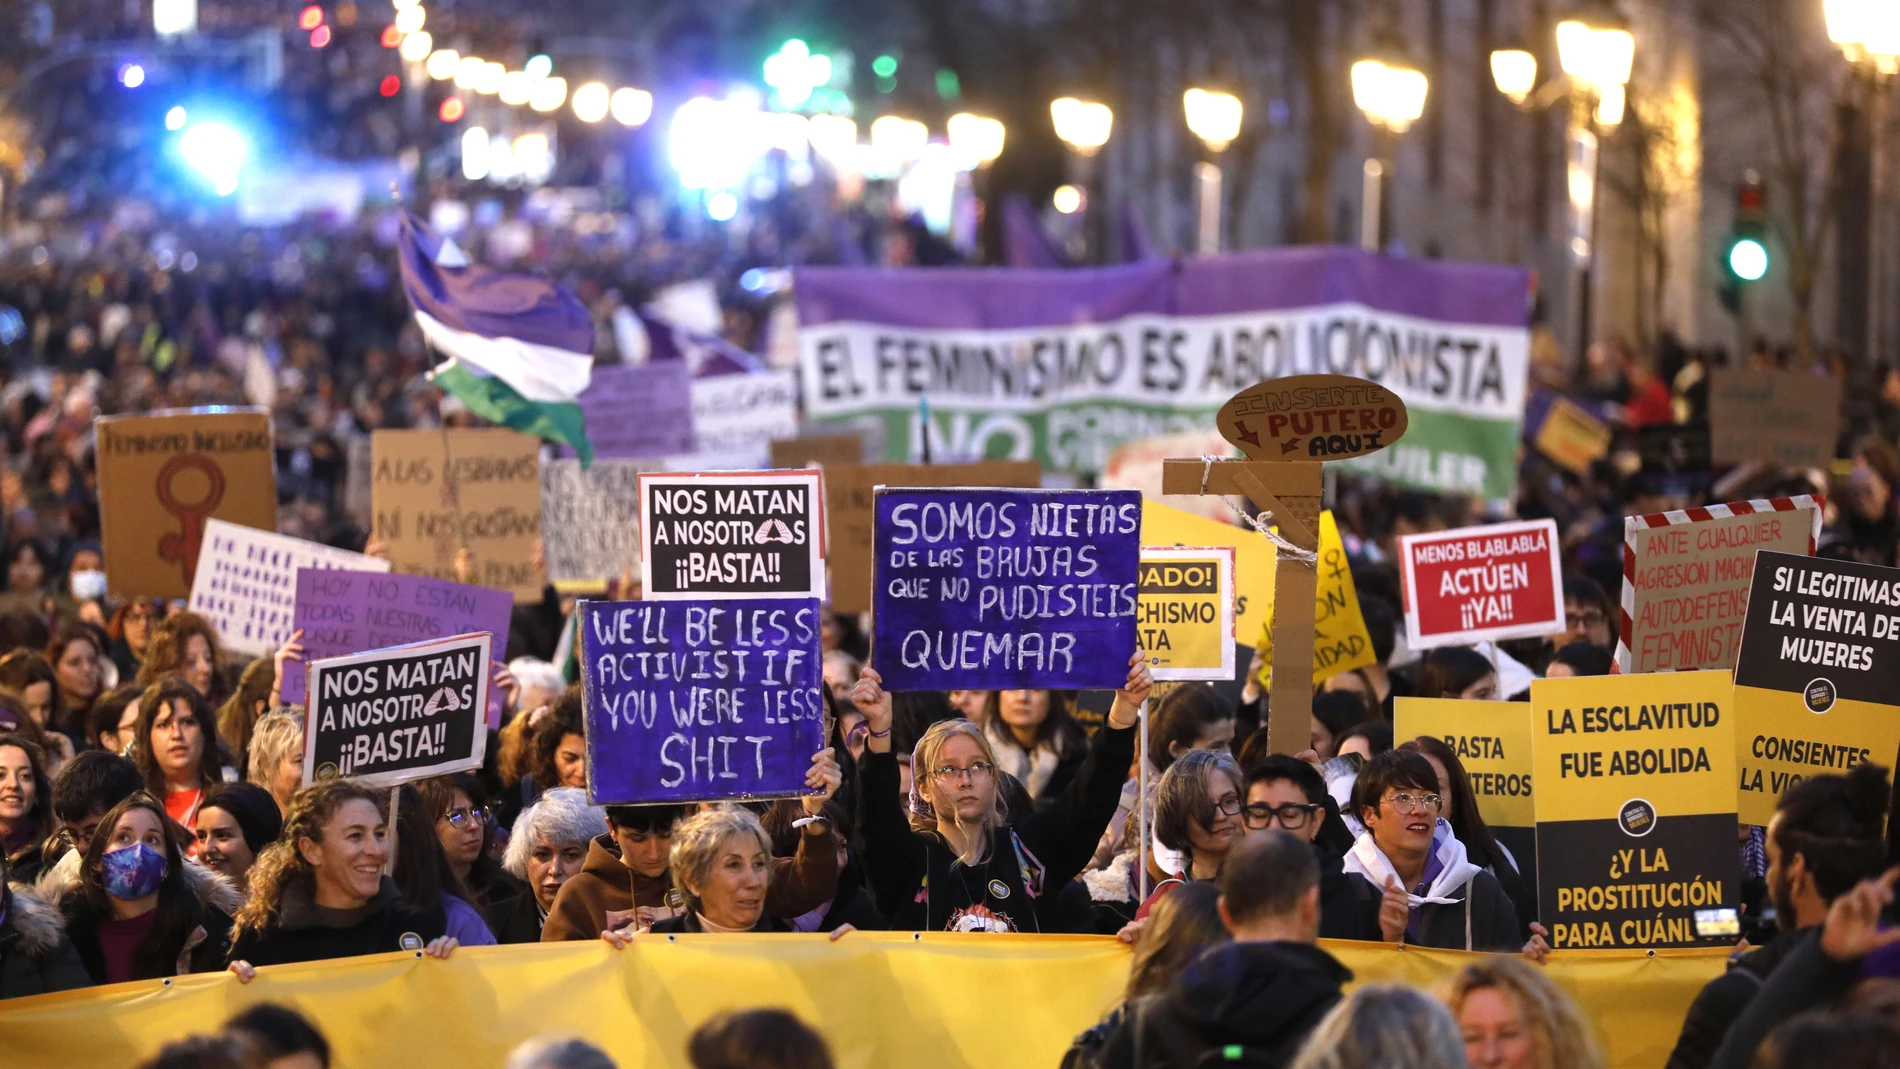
1779, 742
1493, 742
1635, 819
1573, 437
1340, 641
1185, 611
879, 999
1165, 525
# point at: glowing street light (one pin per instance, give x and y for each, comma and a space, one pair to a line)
898, 137
441, 64
591, 102
1068, 199
1515, 72
1082, 125
410, 19
516, 88
416, 47
832, 137
468, 71
217, 152
1391, 91
630, 106
488, 83
548, 95
976, 139
1595, 46
795, 70
1214, 117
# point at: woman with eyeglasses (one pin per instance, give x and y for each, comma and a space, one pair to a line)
955, 861
465, 827
130, 634
1197, 814
1483, 848
1408, 846
1287, 793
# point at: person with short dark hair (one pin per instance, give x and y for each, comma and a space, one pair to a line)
1409, 846
36, 957
113, 722
284, 1036
1825, 837
1368, 740
1457, 672
235, 823
757, 1039
1822, 1040
1287, 793
207, 1052
1579, 659
85, 790
1467, 823
1252, 1000
559, 1053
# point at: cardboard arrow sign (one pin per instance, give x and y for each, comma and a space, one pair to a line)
1312, 417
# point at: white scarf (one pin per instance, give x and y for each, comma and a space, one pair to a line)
1369, 861
1034, 768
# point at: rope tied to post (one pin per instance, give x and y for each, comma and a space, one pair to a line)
1261, 521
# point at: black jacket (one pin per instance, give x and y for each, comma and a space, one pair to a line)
688, 923
1348, 903
1721, 1001
1805, 979
514, 920
35, 955
1481, 918
1263, 998
299, 934
919, 885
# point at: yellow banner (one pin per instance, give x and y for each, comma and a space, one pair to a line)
938, 1001
1599, 740
1340, 641
1493, 742
1165, 525
1779, 742
1185, 611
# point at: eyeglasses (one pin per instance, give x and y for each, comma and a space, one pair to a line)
1229, 804
980, 770
1417, 803
1586, 618
465, 818
1292, 817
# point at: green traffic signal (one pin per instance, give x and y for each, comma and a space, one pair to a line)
1748, 259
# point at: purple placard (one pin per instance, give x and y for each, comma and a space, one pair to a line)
998, 589
343, 612
951, 298
635, 411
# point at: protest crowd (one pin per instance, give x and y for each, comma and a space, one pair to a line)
181, 795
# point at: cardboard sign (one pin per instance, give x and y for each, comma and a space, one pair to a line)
1005, 589
1635, 815
1485, 583
1137, 466
849, 506
488, 499
1493, 742
737, 417
1572, 437
1165, 525
691, 701
1312, 417
639, 410
162, 477
590, 520
757, 534
246, 583
818, 451
1789, 418
345, 612
394, 715
1340, 640
1185, 601
1818, 675
1686, 576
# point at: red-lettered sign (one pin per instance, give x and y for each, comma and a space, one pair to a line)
1497, 581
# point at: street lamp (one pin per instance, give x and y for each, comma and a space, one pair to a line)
1868, 35
1084, 126
1215, 118
1515, 72
976, 139
1391, 90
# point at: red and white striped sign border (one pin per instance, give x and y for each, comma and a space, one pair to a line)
1634, 525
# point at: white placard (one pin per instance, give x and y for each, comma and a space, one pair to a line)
246, 583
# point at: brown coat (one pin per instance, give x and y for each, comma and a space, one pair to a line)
604, 885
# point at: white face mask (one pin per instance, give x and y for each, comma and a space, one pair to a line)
88, 585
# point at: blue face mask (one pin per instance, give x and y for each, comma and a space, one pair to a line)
133, 872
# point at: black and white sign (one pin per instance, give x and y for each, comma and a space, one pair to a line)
1825, 629
752, 534
393, 715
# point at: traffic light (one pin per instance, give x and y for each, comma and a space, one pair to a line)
1745, 254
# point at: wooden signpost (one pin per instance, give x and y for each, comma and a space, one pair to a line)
1287, 427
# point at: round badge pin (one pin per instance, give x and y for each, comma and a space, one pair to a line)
1636, 817
1819, 695
410, 941
999, 889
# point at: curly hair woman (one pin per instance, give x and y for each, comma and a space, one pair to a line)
319, 891
186, 645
